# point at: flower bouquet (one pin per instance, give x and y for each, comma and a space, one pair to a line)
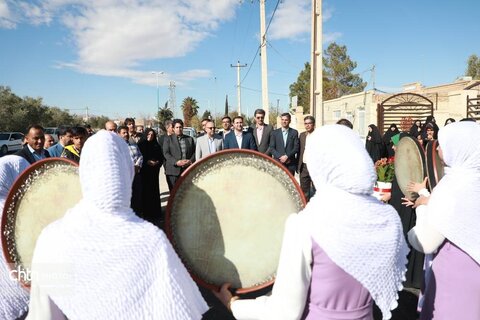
385, 169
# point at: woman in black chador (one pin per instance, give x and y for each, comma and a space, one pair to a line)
374, 143
152, 160
387, 139
414, 275
416, 129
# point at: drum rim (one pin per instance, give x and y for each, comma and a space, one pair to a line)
9, 200
184, 176
421, 152
431, 159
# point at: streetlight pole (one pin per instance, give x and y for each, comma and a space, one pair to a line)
158, 73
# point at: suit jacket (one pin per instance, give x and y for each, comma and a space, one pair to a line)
56, 150
290, 149
264, 145
202, 150
27, 155
173, 153
303, 141
248, 142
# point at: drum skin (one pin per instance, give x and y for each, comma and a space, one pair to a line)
409, 164
39, 196
435, 166
226, 215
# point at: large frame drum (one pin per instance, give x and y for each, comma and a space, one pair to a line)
226, 215
39, 196
435, 166
409, 164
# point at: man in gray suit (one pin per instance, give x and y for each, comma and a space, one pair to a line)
179, 153
262, 132
209, 142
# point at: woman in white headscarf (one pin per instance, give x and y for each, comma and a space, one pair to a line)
100, 261
343, 251
448, 225
13, 297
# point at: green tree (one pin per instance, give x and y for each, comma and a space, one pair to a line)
338, 79
337, 73
18, 113
190, 108
60, 117
97, 122
207, 115
301, 88
163, 115
473, 67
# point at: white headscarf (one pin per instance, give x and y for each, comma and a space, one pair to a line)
453, 207
121, 267
13, 297
361, 235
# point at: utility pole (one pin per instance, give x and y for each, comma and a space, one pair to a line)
158, 73
238, 66
173, 98
373, 77
263, 60
316, 85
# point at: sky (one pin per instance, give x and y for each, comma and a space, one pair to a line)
101, 54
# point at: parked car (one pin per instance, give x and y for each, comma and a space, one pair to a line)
53, 132
190, 132
10, 142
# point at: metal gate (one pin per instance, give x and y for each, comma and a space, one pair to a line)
473, 107
403, 109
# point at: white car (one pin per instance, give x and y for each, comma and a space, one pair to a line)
190, 132
10, 142
53, 132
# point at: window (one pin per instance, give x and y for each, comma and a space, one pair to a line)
361, 121
337, 114
17, 136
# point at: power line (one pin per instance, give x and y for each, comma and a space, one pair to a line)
258, 49
281, 56
269, 92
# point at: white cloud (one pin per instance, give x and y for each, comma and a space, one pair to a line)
327, 14
115, 37
293, 21
6, 19
34, 14
330, 37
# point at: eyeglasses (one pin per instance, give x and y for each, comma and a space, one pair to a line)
259, 117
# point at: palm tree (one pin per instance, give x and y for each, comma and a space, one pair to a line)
164, 114
190, 109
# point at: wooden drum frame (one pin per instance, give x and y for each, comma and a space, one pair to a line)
226, 215
39, 196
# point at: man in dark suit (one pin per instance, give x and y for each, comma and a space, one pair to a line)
284, 144
179, 153
262, 132
237, 138
33, 150
305, 180
226, 126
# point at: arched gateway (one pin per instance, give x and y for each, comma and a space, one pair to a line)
403, 109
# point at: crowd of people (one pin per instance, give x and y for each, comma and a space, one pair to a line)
343, 253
